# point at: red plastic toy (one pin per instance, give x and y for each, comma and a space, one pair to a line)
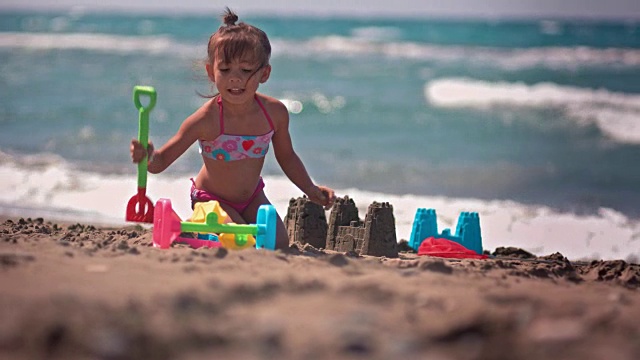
432, 246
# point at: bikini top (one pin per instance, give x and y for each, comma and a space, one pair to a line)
228, 147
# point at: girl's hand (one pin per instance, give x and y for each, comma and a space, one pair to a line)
137, 151
322, 195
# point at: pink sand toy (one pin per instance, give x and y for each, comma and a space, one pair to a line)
167, 227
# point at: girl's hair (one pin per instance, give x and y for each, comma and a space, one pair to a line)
238, 41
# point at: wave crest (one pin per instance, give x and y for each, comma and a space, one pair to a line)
364, 41
96, 42
614, 113
555, 57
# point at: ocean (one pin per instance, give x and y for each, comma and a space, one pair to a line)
534, 124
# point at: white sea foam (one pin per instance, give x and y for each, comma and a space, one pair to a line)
365, 41
377, 33
616, 114
98, 42
49, 187
510, 59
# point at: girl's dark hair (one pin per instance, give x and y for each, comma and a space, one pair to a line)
238, 41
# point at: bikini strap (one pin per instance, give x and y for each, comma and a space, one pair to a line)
264, 110
221, 119
266, 114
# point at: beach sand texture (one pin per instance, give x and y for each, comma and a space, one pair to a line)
76, 291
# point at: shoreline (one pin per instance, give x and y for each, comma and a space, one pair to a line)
80, 290
87, 197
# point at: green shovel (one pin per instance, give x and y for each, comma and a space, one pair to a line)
140, 207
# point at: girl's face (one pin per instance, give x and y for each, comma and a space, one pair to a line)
238, 80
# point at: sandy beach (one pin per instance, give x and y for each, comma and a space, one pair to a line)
76, 291
524, 113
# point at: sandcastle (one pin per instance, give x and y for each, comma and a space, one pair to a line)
306, 223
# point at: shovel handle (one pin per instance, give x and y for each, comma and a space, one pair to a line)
144, 90
143, 126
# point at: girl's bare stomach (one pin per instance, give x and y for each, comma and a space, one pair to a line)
234, 181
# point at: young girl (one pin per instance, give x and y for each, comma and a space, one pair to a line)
234, 128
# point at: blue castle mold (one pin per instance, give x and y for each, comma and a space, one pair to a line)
467, 230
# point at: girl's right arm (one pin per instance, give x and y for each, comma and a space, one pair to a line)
187, 134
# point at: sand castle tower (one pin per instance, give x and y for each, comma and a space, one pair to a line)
306, 223
375, 236
343, 213
380, 231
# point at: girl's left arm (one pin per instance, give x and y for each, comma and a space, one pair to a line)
291, 163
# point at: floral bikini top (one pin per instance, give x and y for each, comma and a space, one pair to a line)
227, 147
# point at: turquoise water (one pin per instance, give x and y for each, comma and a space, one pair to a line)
540, 112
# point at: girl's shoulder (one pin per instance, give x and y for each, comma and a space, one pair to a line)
207, 111
271, 102
276, 109
205, 119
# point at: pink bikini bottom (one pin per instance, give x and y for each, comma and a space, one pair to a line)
198, 195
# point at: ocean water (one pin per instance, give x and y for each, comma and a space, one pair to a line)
533, 124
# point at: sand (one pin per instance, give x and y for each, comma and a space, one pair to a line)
83, 292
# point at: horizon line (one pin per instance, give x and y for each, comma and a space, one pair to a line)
337, 14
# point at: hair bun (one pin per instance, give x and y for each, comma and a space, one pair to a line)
229, 17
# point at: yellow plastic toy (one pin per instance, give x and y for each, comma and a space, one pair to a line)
229, 241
